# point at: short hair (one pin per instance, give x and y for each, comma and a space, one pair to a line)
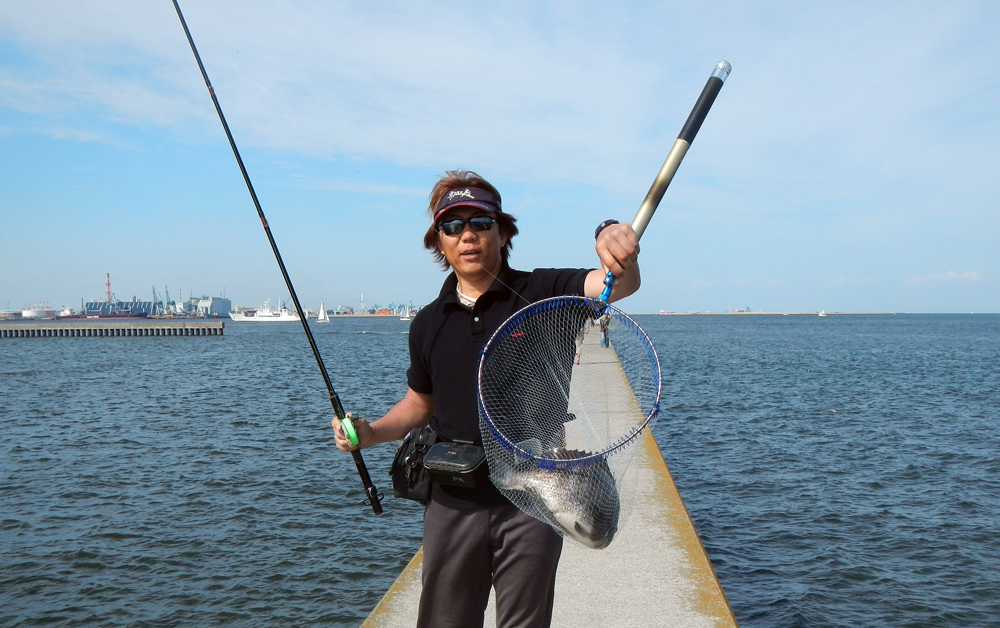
453, 180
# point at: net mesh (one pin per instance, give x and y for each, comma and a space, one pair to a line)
566, 385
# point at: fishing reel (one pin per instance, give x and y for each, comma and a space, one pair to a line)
347, 424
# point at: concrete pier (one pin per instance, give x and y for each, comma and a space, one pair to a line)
115, 328
654, 573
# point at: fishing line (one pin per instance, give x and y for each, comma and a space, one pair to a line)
506, 286
373, 496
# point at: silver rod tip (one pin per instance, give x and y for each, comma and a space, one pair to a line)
722, 70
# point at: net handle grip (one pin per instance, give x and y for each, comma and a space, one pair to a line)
674, 158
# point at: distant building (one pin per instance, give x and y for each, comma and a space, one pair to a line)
213, 306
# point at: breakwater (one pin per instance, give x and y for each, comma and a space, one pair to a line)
130, 328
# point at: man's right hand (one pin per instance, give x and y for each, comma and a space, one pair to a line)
414, 410
361, 428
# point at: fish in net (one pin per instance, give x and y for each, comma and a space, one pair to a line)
566, 386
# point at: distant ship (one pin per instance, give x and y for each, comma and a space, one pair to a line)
265, 315
822, 313
323, 316
116, 309
111, 314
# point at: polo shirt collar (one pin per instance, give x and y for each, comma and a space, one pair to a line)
448, 294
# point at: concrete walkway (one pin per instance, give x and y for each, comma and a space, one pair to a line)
655, 573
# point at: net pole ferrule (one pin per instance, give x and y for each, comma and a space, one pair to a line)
659, 187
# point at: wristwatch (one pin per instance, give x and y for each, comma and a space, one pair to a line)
606, 223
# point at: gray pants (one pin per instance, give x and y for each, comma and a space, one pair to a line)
467, 550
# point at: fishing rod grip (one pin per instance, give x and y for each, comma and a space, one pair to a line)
674, 158
347, 425
370, 491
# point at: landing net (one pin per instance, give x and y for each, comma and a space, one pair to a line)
566, 386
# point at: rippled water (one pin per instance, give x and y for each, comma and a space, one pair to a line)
193, 481
841, 471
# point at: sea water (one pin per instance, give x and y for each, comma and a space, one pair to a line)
840, 470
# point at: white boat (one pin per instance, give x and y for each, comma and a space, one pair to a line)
265, 315
323, 316
822, 313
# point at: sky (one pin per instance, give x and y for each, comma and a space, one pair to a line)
849, 163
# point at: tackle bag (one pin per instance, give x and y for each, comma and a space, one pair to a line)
410, 480
457, 464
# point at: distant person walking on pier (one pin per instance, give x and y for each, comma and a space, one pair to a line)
474, 538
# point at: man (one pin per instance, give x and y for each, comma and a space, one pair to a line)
474, 538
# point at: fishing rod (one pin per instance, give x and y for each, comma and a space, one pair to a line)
673, 161
374, 498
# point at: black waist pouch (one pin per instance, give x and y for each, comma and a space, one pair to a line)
410, 480
457, 464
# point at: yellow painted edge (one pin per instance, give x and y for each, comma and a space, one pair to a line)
409, 577
710, 599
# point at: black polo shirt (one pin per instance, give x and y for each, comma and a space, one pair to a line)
446, 339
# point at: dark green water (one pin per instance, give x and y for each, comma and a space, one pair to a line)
841, 471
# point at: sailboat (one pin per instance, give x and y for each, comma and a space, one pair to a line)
405, 316
822, 313
323, 316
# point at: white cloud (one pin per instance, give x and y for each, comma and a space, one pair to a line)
588, 94
75, 135
414, 84
950, 277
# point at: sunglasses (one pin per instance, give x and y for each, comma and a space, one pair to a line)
455, 227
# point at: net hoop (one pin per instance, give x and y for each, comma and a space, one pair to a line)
507, 329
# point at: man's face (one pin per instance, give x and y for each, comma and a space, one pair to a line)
470, 252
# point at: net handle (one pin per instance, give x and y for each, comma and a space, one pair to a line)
673, 161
